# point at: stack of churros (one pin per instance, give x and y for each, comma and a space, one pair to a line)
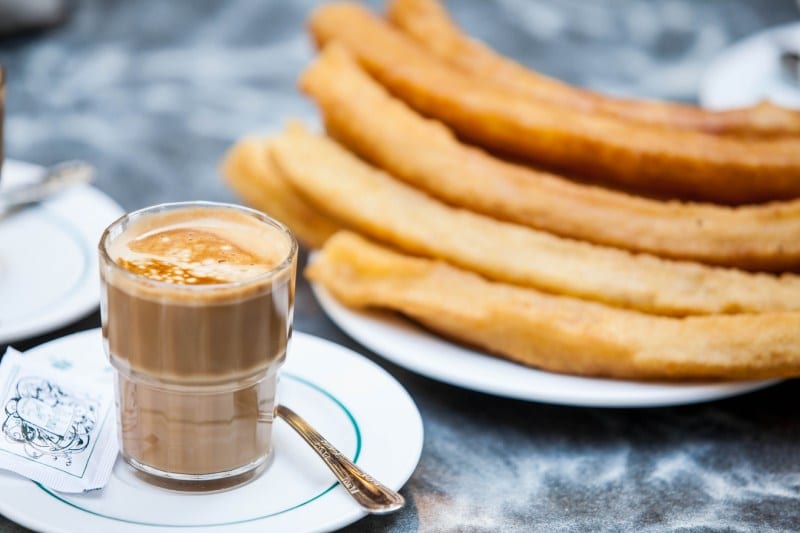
677, 262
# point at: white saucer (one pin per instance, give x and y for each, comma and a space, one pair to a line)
360, 409
408, 345
750, 71
48, 260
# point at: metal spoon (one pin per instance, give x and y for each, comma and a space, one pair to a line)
56, 179
371, 495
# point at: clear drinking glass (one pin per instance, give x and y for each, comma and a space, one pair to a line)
196, 365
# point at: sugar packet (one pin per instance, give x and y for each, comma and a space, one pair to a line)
55, 428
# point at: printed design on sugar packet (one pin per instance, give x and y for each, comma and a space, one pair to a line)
49, 423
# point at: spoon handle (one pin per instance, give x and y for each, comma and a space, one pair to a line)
373, 496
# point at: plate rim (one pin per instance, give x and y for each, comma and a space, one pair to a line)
304, 381
82, 303
354, 514
346, 320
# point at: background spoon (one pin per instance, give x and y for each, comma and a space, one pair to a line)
56, 179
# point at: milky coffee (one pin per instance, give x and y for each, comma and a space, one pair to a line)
197, 312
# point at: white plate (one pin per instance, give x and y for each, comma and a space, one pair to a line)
48, 259
418, 350
750, 71
360, 409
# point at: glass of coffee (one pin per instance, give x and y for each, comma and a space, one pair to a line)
197, 302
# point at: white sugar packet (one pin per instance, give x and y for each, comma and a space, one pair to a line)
56, 429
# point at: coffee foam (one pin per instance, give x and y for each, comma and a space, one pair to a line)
199, 246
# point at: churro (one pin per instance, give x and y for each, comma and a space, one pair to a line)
429, 24
424, 153
557, 333
371, 202
652, 159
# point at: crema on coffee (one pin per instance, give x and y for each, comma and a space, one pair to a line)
198, 247
197, 312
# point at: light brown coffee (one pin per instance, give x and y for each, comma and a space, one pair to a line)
197, 315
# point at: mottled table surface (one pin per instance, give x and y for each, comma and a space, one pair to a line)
153, 92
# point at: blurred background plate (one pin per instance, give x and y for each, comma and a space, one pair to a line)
48, 256
751, 71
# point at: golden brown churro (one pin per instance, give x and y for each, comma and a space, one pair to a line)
428, 23
425, 154
557, 333
249, 169
372, 202
654, 159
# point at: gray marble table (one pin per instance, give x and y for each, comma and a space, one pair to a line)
153, 92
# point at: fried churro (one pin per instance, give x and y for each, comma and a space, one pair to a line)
429, 24
424, 153
652, 159
557, 333
371, 202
